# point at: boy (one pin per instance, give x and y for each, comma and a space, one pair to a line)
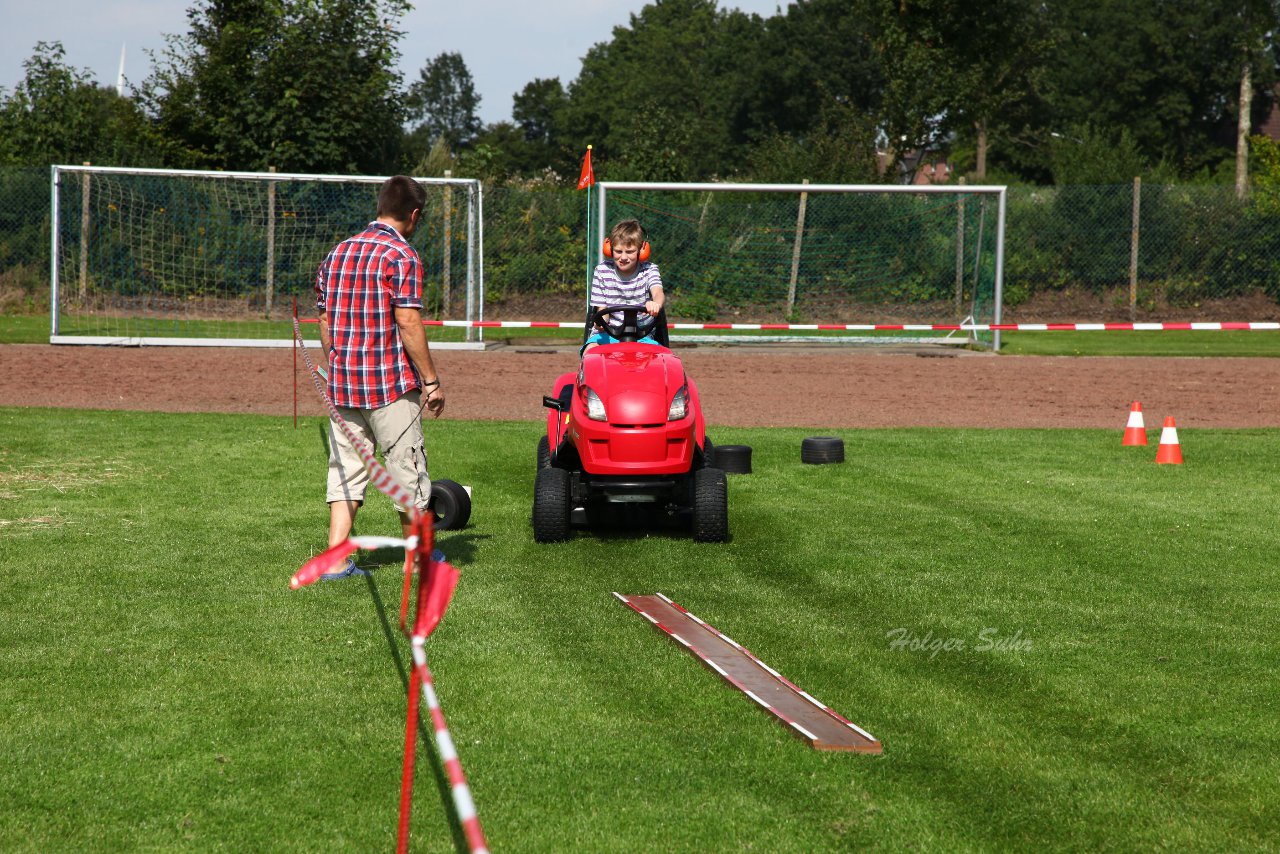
626, 278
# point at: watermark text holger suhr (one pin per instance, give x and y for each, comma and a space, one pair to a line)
988, 640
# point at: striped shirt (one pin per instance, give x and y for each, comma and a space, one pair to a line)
608, 288
358, 287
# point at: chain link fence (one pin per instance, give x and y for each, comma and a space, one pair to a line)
1118, 252
1140, 251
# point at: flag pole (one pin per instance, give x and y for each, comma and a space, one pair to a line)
585, 180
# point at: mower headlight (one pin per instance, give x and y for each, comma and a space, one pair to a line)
679, 404
595, 406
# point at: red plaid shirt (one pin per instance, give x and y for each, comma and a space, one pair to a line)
358, 286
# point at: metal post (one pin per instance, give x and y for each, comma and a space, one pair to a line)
795, 251
1133, 249
55, 222
999, 294
960, 254
445, 286
84, 237
475, 258
271, 241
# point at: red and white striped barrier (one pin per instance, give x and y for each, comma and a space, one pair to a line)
436, 580
461, 792
1192, 326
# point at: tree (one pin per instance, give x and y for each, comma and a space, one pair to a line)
1255, 39
841, 149
301, 85
58, 114
686, 56
443, 101
819, 55
995, 52
1169, 72
538, 110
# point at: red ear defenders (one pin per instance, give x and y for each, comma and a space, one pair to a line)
644, 250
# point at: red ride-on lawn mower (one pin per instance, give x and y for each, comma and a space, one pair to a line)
626, 433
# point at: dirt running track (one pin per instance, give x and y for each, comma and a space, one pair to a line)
740, 387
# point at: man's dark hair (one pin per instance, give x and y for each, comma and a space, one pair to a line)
401, 196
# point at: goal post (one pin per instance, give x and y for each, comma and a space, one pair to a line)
200, 258
824, 253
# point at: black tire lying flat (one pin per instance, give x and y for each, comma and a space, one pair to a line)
710, 506
551, 505
451, 505
822, 449
544, 453
734, 459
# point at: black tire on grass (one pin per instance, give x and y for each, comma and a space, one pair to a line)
544, 453
817, 450
734, 459
708, 452
710, 506
451, 505
551, 510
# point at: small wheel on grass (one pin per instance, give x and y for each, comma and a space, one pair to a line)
451, 505
544, 453
817, 450
734, 459
710, 506
551, 505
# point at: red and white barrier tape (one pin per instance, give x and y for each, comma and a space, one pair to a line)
377, 474
461, 792
427, 614
1194, 326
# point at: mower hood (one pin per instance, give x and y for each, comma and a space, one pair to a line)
636, 382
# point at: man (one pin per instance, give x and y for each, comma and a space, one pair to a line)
369, 296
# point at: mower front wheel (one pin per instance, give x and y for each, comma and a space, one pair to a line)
710, 506
544, 453
551, 505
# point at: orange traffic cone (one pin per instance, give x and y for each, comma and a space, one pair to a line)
1135, 432
1169, 451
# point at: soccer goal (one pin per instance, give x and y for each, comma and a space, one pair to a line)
193, 258
811, 255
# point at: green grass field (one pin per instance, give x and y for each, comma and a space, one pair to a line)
162, 688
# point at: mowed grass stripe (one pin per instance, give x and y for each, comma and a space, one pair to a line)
163, 688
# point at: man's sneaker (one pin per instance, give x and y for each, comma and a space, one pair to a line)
349, 569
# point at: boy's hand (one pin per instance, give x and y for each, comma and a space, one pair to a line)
652, 307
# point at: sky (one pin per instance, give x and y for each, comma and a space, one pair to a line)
505, 43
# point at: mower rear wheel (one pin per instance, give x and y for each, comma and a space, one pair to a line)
544, 453
551, 505
710, 506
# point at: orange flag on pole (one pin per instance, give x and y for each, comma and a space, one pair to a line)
588, 176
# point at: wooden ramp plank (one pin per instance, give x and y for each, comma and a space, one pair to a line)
802, 714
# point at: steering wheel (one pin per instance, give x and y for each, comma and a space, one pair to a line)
630, 331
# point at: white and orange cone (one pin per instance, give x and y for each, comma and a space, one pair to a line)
1170, 451
1135, 432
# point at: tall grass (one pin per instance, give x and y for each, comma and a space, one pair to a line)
162, 688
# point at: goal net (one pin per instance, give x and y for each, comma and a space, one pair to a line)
823, 254
146, 256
